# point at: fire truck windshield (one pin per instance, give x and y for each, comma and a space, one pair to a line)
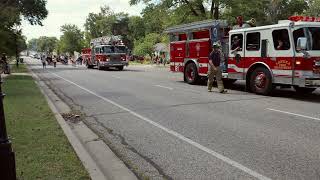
313, 35
113, 49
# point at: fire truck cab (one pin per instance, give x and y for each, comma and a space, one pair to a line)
105, 52
285, 54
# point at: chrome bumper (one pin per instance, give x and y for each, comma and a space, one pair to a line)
114, 63
307, 82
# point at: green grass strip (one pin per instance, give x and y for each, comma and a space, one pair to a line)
21, 69
41, 148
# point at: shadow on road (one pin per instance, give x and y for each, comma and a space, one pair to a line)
279, 93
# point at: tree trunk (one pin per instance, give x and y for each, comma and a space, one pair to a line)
214, 11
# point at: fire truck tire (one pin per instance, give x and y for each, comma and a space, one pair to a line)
191, 74
120, 68
304, 90
261, 81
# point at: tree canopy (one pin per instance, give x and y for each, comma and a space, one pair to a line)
71, 40
11, 12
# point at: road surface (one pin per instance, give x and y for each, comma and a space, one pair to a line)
163, 128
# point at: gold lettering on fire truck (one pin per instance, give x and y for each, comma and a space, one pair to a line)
283, 64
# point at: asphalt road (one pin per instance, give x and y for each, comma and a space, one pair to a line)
164, 128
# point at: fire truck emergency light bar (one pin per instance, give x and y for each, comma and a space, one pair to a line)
107, 40
304, 18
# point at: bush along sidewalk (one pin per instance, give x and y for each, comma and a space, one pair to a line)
41, 148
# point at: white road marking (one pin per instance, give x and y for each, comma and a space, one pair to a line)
175, 134
117, 77
164, 87
294, 114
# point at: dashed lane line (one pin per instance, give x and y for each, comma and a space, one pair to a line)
165, 87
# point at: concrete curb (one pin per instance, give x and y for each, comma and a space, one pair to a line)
87, 161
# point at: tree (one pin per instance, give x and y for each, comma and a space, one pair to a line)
11, 12
314, 8
106, 23
71, 39
100, 24
282, 9
247, 9
146, 45
32, 44
46, 44
136, 28
197, 9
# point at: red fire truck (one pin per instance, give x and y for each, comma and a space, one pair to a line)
106, 52
286, 54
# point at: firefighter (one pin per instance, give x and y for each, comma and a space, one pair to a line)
215, 58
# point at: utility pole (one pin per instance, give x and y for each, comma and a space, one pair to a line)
7, 157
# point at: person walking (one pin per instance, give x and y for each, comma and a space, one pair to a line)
43, 60
215, 69
5, 62
54, 60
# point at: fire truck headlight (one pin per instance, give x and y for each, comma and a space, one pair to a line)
298, 62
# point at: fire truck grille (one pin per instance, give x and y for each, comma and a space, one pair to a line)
115, 58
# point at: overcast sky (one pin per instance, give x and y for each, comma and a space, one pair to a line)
74, 12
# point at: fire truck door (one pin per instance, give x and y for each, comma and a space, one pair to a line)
236, 63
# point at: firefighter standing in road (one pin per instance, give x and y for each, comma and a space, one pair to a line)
215, 69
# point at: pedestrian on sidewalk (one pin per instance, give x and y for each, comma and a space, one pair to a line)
72, 60
54, 60
43, 60
214, 68
5, 62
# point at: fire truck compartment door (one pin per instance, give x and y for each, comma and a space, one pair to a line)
178, 53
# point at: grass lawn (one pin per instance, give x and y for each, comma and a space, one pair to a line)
21, 69
41, 148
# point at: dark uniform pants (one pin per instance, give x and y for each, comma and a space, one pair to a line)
215, 72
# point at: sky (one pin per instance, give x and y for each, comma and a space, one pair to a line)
74, 12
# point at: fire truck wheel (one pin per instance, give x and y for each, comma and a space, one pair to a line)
120, 68
261, 81
304, 90
191, 74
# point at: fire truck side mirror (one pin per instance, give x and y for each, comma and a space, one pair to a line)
302, 43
